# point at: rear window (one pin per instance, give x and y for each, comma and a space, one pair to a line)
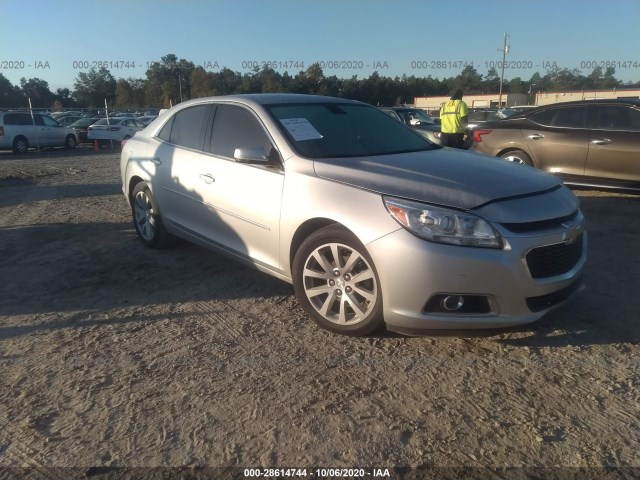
110, 121
345, 130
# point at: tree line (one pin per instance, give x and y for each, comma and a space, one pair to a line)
172, 80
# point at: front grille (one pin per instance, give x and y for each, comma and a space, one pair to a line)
541, 224
537, 304
555, 259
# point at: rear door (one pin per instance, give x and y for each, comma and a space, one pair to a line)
614, 143
558, 139
177, 158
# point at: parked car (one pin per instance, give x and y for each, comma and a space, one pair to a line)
81, 127
147, 119
371, 223
589, 142
20, 131
67, 120
418, 119
114, 128
479, 117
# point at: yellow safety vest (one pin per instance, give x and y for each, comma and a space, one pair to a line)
450, 114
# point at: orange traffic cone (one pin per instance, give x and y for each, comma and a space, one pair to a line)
96, 147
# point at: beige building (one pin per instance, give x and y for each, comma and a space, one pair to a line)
546, 98
486, 100
490, 100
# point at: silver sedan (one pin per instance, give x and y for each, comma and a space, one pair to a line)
372, 224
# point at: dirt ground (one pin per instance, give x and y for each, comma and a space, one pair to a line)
115, 355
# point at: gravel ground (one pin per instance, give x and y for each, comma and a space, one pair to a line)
114, 355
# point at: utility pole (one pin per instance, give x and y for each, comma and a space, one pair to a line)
504, 50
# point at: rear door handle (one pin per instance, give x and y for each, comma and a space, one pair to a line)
535, 136
601, 141
207, 177
156, 161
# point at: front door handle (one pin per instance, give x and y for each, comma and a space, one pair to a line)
535, 136
207, 177
601, 141
156, 161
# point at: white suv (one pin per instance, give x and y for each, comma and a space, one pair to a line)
21, 130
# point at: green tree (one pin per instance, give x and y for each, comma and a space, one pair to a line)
92, 87
38, 91
168, 81
469, 80
10, 95
201, 83
130, 93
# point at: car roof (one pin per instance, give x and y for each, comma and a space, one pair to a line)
595, 101
272, 99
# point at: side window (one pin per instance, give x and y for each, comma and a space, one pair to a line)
570, 117
49, 122
617, 118
188, 126
235, 127
165, 132
38, 120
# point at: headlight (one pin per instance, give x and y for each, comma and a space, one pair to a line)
442, 225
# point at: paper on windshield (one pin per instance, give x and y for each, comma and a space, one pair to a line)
300, 129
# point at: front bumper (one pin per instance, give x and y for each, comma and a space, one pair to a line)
413, 270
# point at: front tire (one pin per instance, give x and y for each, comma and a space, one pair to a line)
70, 142
517, 156
336, 282
146, 218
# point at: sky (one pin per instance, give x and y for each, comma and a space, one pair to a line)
54, 40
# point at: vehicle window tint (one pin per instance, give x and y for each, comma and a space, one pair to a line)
18, 119
617, 117
165, 132
49, 122
188, 125
345, 130
234, 127
573, 117
38, 120
476, 116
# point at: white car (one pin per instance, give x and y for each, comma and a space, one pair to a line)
114, 128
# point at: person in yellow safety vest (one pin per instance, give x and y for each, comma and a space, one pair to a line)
453, 121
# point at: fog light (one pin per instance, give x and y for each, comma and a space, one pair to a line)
459, 304
452, 303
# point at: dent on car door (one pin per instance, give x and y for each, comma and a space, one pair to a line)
559, 140
246, 197
614, 143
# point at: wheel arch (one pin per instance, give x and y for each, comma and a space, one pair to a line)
517, 149
307, 228
133, 181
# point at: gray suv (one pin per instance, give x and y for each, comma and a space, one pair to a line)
20, 131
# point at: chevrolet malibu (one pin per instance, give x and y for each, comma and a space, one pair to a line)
372, 224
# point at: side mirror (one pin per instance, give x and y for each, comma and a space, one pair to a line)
251, 155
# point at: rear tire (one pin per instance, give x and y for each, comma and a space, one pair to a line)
517, 156
20, 145
146, 218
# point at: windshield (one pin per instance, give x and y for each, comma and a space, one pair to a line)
419, 115
345, 130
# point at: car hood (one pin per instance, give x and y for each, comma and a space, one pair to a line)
447, 177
